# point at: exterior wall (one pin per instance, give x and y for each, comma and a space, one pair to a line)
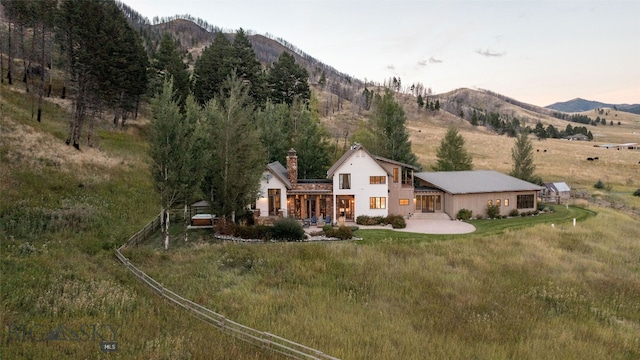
361, 166
478, 203
262, 203
398, 191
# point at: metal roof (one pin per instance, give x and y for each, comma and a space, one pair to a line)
477, 181
281, 172
558, 186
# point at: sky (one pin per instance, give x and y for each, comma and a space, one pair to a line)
537, 52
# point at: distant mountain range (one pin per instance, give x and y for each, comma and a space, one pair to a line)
580, 105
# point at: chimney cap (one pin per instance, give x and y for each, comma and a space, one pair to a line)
291, 152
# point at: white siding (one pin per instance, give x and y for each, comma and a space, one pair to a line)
361, 166
262, 203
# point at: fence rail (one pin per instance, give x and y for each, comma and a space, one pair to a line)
242, 332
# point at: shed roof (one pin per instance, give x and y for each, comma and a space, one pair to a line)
558, 186
478, 181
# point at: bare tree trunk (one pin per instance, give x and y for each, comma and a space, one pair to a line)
42, 70
166, 229
186, 223
10, 52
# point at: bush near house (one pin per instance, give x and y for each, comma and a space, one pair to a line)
287, 229
396, 221
636, 193
493, 211
342, 232
513, 213
464, 214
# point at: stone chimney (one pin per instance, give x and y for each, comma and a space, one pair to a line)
292, 166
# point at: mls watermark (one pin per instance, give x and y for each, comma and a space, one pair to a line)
106, 334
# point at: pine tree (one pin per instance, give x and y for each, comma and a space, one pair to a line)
287, 81
387, 136
169, 64
247, 66
212, 69
522, 155
451, 154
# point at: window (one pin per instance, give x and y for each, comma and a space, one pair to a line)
345, 181
498, 203
506, 202
407, 176
525, 201
377, 179
395, 175
377, 203
490, 203
404, 201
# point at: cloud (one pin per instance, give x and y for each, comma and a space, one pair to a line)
431, 60
489, 53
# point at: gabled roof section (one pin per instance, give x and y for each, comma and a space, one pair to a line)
279, 171
380, 158
478, 181
558, 186
346, 156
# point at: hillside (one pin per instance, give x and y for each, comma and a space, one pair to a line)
580, 105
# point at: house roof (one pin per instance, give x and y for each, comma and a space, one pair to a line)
380, 158
478, 181
558, 186
279, 171
346, 156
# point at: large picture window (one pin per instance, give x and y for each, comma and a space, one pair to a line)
345, 181
377, 179
525, 201
377, 202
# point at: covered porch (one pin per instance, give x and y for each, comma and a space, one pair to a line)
311, 206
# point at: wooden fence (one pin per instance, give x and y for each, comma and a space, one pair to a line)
242, 332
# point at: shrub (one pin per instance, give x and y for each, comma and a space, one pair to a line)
327, 228
479, 217
396, 221
363, 220
636, 193
599, 185
493, 211
465, 214
342, 232
513, 213
287, 229
541, 207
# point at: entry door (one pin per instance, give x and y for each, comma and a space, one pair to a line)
346, 207
426, 203
274, 202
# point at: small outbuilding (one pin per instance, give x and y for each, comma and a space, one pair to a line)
557, 192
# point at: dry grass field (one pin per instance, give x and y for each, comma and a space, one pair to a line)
529, 293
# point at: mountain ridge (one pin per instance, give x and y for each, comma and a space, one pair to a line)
580, 105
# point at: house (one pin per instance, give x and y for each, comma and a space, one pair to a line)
360, 183
451, 191
556, 192
364, 184
282, 194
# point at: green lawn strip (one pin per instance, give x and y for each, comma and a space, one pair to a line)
561, 215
